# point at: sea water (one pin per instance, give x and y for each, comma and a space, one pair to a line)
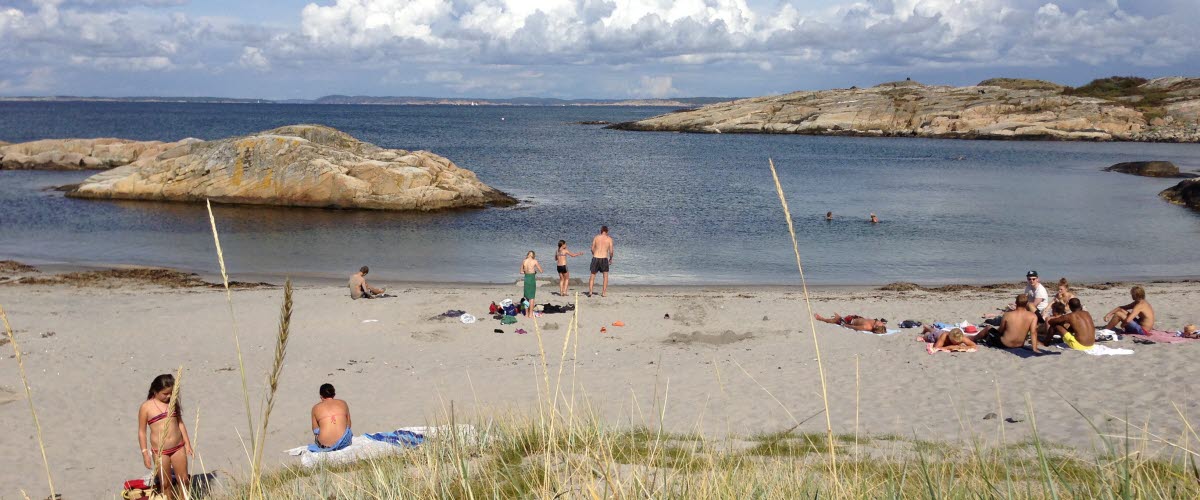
682, 208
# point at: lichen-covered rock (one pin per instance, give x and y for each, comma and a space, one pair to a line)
1186, 193
297, 165
1148, 169
79, 154
1016, 110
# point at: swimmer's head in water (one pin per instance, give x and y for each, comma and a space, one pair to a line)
327, 391
364, 269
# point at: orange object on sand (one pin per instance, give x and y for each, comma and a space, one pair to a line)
618, 323
603, 330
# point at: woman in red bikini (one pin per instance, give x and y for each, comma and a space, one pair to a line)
168, 436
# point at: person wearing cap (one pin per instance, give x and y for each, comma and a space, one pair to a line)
1038, 298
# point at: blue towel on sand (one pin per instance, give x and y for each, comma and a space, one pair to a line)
399, 438
342, 443
944, 326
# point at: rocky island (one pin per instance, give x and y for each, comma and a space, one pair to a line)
79, 154
296, 165
1110, 109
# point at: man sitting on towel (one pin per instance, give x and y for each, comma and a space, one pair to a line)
1076, 327
1135, 317
856, 323
330, 422
1015, 326
359, 289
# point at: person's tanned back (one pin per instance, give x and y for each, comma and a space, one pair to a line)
1078, 323
602, 246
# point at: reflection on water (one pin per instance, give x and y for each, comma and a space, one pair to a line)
683, 208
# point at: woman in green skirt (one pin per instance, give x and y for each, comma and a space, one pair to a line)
530, 268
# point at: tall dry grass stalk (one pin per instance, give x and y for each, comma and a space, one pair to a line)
212, 220
281, 342
12, 339
812, 326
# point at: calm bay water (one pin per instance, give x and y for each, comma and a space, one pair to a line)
683, 208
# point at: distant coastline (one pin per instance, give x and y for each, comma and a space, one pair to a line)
676, 102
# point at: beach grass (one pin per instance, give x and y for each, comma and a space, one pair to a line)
588, 459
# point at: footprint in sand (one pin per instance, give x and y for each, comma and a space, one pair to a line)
8, 395
696, 337
432, 336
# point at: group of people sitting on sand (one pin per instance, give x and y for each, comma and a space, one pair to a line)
1032, 317
163, 436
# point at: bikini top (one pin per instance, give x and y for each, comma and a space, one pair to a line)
160, 416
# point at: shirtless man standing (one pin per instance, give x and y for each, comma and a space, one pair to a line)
1015, 326
1075, 327
359, 289
602, 257
1135, 317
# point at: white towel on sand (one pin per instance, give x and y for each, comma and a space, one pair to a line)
364, 448
1101, 350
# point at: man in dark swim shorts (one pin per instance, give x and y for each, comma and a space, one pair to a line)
602, 254
599, 265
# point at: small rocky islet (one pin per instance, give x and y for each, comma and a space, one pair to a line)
1112, 109
295, 165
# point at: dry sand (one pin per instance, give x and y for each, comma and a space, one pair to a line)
93, 345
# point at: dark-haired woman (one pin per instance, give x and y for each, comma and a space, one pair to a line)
168, 436
560, 260
330, 422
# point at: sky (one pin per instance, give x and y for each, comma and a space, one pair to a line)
279, 49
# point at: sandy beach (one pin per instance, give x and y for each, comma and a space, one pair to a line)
729, 361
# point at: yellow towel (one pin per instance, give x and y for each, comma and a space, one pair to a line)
1073, 343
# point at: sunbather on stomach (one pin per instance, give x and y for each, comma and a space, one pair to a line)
856, 322
330, 422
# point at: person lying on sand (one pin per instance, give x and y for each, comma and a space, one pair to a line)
168, 436
1015, 326
1135, 317
1076, 327
856, 322
946, 340
330, 422
359, 289
1190, 332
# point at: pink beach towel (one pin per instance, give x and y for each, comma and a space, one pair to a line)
1164, 337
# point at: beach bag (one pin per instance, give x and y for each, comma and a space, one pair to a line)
510, 310
508, 319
